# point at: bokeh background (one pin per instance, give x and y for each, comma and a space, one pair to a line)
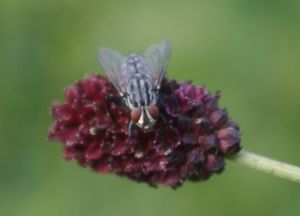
250, 50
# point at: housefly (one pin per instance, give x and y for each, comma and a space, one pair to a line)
138, 78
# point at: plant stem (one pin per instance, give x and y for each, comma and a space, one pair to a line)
268, 165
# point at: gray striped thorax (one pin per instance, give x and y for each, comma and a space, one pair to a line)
140, 91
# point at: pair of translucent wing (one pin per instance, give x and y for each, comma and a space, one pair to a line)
156, 58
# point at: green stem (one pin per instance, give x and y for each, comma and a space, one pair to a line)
268, 165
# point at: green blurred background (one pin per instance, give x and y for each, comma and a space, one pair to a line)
250, 50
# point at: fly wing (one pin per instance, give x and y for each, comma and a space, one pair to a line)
111, 62
157, 57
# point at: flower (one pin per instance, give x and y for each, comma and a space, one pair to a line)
189, 142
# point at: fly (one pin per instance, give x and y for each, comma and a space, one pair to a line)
137, 78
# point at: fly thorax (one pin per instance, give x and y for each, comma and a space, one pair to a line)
140, 92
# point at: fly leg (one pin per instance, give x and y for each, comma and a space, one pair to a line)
130, 128
112, 99
160, 99
162, 118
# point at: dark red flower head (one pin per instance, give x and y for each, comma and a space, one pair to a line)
189, 141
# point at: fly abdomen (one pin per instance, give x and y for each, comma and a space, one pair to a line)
134, 63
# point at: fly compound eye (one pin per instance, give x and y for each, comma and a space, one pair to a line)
135, 114
153, 111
